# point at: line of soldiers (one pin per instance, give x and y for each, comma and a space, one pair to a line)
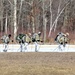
25, 39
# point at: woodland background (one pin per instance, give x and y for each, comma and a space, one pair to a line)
30, 16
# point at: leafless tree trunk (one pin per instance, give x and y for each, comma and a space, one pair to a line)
44, 21
33, 24
6, 24
57, 15
20, 11
15, 19
1, 17
51, 17
66, 13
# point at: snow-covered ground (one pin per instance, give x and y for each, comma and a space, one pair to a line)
41, 48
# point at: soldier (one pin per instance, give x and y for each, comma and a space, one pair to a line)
20, 38
36, 39
62, 39
27, 40
23, 40
6, 39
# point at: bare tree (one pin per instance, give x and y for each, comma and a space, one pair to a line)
1, 10
59, 7
44, 20
6, 24
53, 23
33, 19
20, 11
66, 14
15, 19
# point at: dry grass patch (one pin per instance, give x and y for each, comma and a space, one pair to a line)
37, 63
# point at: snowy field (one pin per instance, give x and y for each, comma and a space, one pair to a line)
40, 48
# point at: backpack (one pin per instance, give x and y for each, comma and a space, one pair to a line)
20, 38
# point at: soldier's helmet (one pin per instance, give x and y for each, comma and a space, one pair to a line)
9, 35
29, 34
39, 33
67, 34
59, 33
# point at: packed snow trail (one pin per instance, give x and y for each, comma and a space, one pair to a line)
41, 48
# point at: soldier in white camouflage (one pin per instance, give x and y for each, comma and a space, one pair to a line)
36, 38
5, 40
62, 39
23, 40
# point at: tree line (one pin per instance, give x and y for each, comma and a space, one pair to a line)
30, 16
